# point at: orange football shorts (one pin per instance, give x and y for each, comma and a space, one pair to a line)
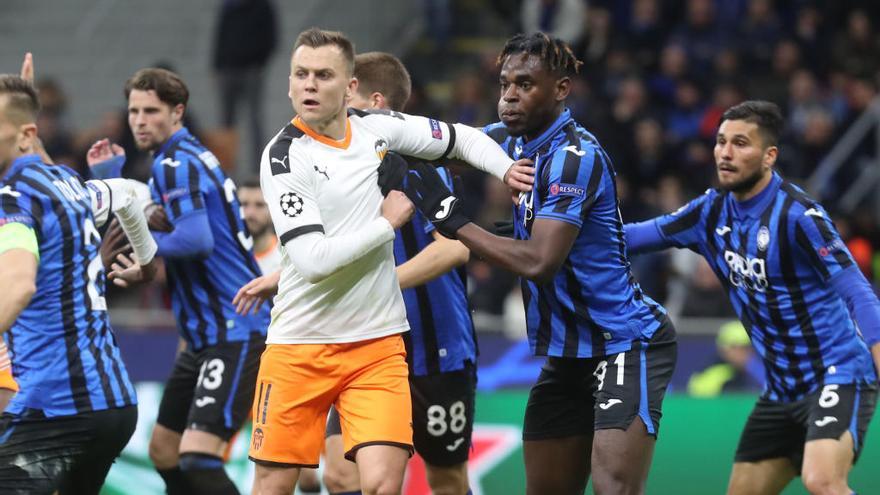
297, 383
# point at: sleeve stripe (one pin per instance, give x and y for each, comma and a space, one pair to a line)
194, 189
451, 142
571, 165
593, 185
682, 223
804, 242
839, 255
305, 229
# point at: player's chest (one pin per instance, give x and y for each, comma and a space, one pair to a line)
748, 253
346, 181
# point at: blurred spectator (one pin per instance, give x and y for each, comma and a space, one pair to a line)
772, 85
855, 51
758, 34
724, 96
470, 101
811, 37
701, 35
673, 66
684, 118
54, 134
738, 368
645, 33
244, 40
564, 19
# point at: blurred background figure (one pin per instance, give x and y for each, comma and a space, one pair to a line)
245, 38
738, 368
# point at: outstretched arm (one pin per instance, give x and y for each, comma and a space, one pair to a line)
860, 299
643, 237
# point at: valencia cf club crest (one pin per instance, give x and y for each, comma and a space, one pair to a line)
381, 147
763, 238
291, 204
258, 438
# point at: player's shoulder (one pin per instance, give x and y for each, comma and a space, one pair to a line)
287, 147
498, 132
803, 205
375, 114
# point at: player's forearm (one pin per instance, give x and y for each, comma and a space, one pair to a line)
480, 151
517, 256
316, 256
131, 217
437, 258
862, 303
190, 238
643, 237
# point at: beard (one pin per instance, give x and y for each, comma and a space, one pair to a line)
745, 184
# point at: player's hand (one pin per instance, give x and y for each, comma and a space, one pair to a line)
392, 172
521, 175
126, 272
113, 244
254, 293
104, 150
157, 218
426, 189
397, 209
27, 67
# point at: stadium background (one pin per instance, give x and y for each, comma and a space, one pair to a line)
657, 76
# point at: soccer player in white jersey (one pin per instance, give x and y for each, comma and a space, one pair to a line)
335, 331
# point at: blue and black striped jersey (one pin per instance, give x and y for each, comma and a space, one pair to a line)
188, 178
441, 336
64, 354
593, 306
775, 255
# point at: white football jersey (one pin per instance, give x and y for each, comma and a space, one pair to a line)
315, 184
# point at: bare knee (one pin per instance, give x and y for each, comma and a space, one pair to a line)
341, 476
381, 487
617, 480
448, 480
823, 482
164, 448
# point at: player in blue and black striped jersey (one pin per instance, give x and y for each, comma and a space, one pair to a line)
208, 256
798, 292
76, 408
611, 349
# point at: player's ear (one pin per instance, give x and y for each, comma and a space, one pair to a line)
563, 88
351, 88
27, 137
377, 100
177, 112
770, 155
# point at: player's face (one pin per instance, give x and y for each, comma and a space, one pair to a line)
530, 95
741, 157
256, 212
152, 121
320, 84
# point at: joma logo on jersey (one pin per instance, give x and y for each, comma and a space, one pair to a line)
746, 272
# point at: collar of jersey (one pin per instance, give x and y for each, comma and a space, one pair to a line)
341, 144
20, 162
754, 207
530, 148
177, 136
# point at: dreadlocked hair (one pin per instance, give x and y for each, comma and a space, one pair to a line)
553, 52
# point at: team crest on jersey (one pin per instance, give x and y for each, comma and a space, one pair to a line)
381, 148
258, 438
291, 204
763, 238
